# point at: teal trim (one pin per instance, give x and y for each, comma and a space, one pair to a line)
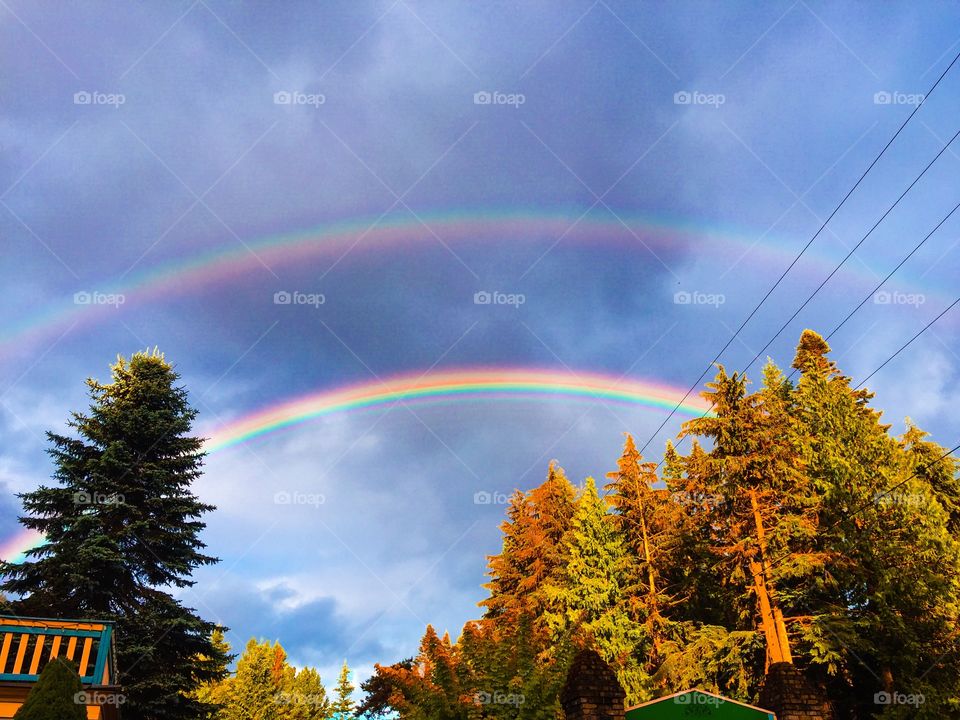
102, 653
104, 650
17, 630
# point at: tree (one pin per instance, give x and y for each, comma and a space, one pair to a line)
590, 599
646, 518
54, 697
123, 524
534, 536
343, 704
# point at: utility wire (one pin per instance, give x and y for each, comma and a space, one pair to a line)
799, 255
852, 251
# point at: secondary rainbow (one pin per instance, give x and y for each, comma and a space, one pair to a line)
460, 385
641, 234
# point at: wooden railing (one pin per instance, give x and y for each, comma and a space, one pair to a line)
28, 644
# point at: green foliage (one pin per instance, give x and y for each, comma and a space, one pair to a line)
122, 524
54, 697
784, 494
266, 687
343, 704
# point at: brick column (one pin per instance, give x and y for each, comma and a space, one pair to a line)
592, 691
791, 696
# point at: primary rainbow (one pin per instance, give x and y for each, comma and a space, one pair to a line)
641, 234
15, 548
458, 385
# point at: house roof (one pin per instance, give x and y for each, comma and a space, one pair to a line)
719, 701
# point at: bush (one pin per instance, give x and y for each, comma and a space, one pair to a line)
54, 695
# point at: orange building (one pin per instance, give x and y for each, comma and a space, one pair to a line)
28, 644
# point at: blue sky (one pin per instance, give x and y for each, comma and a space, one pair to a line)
184, 148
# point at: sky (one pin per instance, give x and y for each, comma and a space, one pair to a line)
317, 201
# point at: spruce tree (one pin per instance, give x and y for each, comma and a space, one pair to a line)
54, 697
647, 519
122, 524
590, 598
343, 704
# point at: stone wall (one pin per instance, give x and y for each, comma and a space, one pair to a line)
791, 696
592, 691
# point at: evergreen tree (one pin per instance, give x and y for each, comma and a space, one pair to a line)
591, 600
533, 548
343, 704
54, 697
647, 519
122, 524
887, 617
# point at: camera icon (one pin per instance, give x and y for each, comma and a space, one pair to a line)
82, 298
282, 97
82, 498
482, 498
882, 698
81, 698
685, 699
682, 98
482, 98
882, 298
281, 498
82, 98
482, 297
282, 297
882, 98
682, 297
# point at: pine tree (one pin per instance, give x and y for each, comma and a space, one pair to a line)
647, 519
343, 704
306, 695
54, 697
591, 600
121, 525
533, 548
886, 619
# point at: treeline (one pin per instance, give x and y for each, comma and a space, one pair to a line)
266, 687
796, 528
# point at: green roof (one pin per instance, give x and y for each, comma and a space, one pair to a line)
697, 704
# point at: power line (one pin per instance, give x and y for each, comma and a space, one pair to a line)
799, 255
908, 342
852, 251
